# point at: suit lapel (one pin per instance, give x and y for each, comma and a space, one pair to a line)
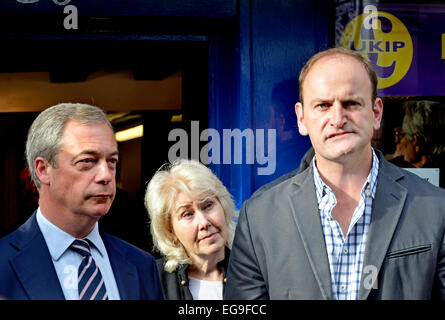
387, 207
305, 212
125, 273
33, 264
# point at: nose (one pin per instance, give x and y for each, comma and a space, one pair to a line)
104, 173
202, 220
338, 118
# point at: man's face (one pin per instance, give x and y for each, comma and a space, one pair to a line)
339, 115
84, 180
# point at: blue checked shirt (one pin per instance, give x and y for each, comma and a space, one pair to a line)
346, 254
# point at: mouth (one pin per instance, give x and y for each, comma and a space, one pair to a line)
208, 237
338, 134
101, 196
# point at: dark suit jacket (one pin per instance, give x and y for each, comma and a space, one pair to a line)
27, 272
279, 250
304, 163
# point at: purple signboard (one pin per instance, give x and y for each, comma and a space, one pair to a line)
405, 43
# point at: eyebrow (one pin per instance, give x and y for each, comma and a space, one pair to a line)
355, 98
94, 153
181, 206
348, 98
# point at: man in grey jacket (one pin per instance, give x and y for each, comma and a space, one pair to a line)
351, 226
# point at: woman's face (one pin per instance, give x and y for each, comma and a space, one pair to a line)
200, 225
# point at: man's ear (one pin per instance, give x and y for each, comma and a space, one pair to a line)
42, 169
377, 109
300, 118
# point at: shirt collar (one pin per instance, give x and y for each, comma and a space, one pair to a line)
371, 181
58, 241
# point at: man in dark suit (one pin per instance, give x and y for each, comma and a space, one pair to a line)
350, 226
61, 252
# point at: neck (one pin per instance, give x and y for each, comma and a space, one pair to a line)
77, 225
347, 176
207, 268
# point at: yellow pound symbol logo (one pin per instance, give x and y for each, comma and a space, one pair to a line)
386, 42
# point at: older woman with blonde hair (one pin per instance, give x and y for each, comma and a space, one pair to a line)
192, 225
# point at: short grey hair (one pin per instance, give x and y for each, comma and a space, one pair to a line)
188, 176
426, 119
46, 132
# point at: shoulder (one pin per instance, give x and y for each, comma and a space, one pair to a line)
422, 202
28, 232
279, 190
275, 182
127, 250
160, 263
304, 164
174, 283
415, 185
163, 274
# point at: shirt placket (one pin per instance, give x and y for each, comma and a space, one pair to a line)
345, 259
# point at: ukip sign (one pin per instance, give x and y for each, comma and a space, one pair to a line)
404, 44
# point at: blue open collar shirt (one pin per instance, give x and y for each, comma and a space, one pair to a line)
346, 254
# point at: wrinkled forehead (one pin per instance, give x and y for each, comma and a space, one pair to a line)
191, 196
338, 60
97, 137
336, 69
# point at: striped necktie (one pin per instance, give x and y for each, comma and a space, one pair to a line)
91, 285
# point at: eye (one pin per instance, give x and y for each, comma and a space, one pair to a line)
186, 215
208, 205
351, 103
321, 106
113, 162
85, 163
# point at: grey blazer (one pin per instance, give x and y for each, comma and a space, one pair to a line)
279, 250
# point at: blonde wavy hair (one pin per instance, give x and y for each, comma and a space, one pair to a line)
192, 178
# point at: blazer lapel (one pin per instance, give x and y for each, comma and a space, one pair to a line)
387, 207
33, 265
305, 211
125, 273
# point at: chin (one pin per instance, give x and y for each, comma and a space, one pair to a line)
99, 213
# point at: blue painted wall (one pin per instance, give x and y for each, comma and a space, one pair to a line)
275, 40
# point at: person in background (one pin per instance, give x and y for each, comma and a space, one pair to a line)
60, 252
398, 152
423, 142
192, 225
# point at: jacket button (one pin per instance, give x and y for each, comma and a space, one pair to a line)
183, 283
225, 280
